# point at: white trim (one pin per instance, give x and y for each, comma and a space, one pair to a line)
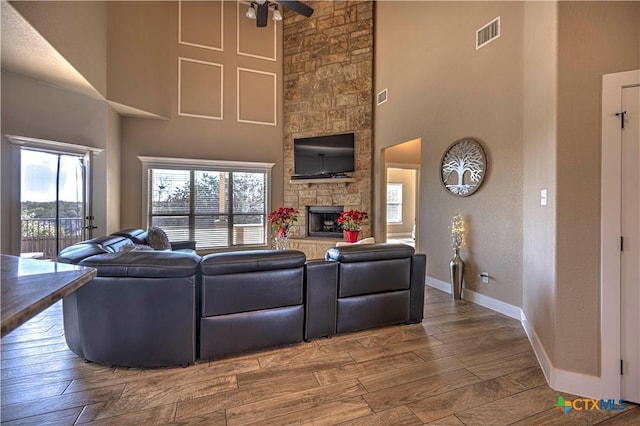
51, 146
403, 166
497, 36
220, 165
202, 46
494, 304
538, 349
275, 97
560, 380
437, 284
610, 225
274, 58
563, 380
213, 64
478, 298
199, 164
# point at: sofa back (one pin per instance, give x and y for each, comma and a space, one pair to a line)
372, 268
251, 280
137, 235
144, 264
99, 245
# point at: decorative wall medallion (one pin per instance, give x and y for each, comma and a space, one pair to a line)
463, 167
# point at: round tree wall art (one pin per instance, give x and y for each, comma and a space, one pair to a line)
463, 167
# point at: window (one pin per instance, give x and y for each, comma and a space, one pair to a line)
217, 204
394, 203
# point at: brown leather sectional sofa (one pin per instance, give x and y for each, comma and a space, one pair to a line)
149, 309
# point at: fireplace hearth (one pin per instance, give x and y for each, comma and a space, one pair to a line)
322, 221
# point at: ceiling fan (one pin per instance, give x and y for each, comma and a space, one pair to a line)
259, 10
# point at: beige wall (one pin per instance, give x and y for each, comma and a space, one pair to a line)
188, 137
37, 110
594, 38
539, 169
140, 62
533, 98
441, 89
407, 153
77, 30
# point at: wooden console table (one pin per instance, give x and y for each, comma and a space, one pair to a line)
30, 286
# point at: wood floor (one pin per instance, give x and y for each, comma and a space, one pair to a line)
463, 365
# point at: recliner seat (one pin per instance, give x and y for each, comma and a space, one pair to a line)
251, 300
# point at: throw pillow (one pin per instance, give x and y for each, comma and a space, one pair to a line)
157, 238
136, 247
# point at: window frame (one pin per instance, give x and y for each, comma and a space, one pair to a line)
395, 184
205, 165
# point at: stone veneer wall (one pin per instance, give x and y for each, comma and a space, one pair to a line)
328, 84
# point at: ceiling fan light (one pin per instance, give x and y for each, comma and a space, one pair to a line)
251, 12
261, 1
277, 16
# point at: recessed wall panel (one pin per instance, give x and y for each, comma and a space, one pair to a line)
257, 97
253, 41
200, 90
201, 24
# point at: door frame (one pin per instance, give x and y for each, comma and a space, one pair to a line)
610, 230
18, 142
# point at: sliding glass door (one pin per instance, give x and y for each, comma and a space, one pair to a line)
53, 207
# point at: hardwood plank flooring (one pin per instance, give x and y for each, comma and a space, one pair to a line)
463, 365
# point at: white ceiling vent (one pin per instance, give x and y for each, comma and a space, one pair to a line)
381, 97
488, 33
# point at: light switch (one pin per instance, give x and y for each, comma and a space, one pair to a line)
543, 197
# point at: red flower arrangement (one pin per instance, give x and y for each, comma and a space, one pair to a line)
352, 219
282, 218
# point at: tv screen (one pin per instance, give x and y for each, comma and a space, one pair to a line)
323, 156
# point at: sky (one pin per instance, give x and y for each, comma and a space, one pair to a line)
38, 176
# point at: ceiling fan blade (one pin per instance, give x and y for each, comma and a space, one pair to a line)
297, 7
262, 14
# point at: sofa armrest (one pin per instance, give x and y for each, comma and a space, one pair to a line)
183, 245
321, 289
418, 278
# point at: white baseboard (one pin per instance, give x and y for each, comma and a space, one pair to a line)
563, 380
437, 284
558, 379
478, 298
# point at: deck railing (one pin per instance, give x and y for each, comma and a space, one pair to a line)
38, 239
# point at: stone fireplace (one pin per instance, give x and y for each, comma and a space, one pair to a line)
328, 89
322, 221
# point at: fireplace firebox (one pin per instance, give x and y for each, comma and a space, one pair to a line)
322, 221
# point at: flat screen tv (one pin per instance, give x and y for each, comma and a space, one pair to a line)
323, 156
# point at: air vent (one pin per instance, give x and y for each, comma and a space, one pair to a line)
488, 33
382, 97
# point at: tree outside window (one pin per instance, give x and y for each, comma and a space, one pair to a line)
217, 209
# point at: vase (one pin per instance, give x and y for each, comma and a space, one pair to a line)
281, 239
456, 269
351, 236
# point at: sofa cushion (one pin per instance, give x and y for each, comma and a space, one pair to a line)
251, 291
372, 310
110, 243
144, 264
369, 252
137, 235
75, 253
378, 276
158, 239
251, 261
